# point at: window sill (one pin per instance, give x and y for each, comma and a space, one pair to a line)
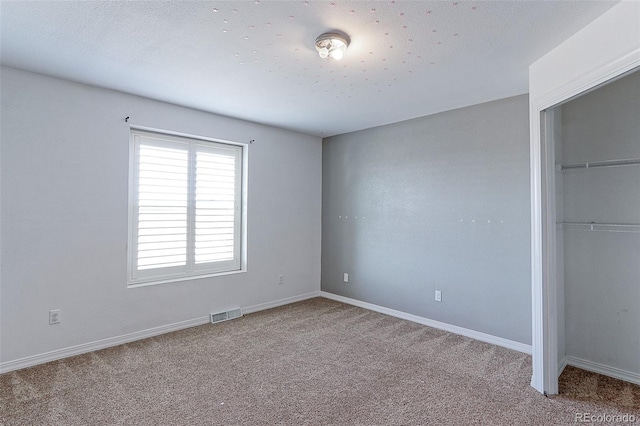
136, 284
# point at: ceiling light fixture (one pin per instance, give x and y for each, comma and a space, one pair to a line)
332, 45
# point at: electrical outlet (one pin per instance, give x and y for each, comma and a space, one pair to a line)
54, 316
438, 296
346, 277
281, 281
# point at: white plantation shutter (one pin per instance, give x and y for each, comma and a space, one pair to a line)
162, 216
215, 206
185, 215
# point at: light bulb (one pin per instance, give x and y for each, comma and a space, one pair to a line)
331, 45
336, 43
336, 54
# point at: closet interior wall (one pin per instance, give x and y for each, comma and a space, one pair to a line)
597, 147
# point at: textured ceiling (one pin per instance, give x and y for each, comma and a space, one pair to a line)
256, 59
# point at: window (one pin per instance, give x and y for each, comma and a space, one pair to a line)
185, 208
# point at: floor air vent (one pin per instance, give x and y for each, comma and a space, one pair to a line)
226, 315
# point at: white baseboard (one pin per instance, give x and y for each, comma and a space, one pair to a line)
509, 344
83, 348
57, 354
605, 370
281, 302
562, 364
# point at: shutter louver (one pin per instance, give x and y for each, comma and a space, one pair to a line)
214, 207
163, 189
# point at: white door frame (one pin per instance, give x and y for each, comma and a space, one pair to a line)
602, 51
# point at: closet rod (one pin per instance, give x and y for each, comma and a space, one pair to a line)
610, 227
606, 163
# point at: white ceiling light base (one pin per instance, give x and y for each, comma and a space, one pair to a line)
332, 45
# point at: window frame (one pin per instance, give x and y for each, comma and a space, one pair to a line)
191, 270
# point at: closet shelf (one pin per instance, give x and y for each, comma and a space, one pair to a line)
607, 227
606, 163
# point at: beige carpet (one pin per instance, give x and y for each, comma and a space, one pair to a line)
317, 362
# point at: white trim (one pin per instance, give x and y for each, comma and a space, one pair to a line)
57, 354
281, 302
590, 81
190, 278
499, 341
574, 67
605, 370
83, 348
562, 364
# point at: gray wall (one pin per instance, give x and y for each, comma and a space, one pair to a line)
64, 171
602, 269
438, 202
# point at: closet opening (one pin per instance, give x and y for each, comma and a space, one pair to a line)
593, 255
